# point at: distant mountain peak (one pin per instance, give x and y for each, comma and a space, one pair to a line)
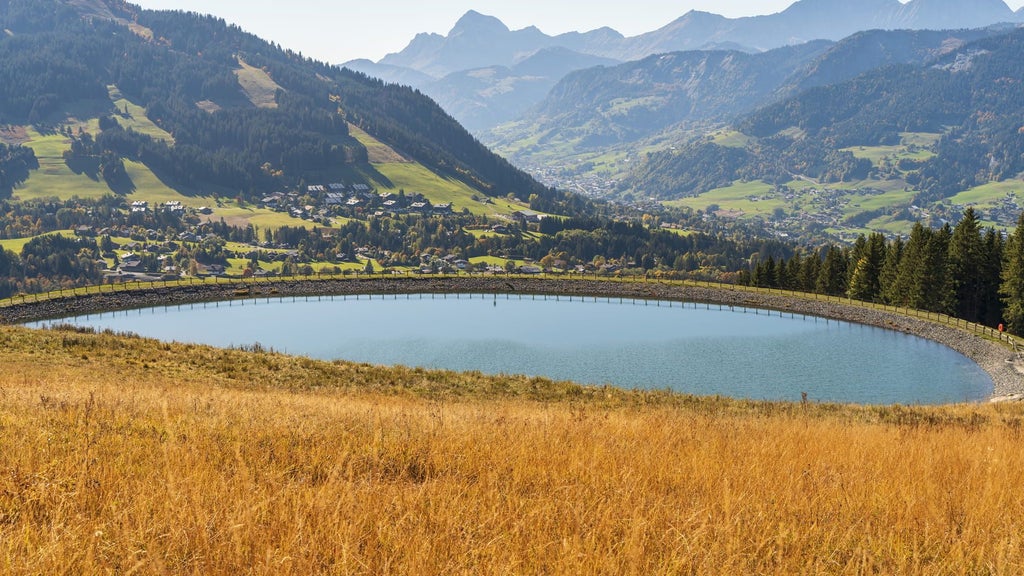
477, 23
698, 16
936, 14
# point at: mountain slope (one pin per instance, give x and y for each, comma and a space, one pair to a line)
185, 71
971, 97
671, 95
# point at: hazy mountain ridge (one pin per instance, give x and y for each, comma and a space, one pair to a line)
480, 42
638, 99
484, 97
490, 42
714, 86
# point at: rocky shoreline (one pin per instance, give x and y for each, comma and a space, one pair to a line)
991, 356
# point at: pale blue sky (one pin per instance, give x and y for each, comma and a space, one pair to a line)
336, 32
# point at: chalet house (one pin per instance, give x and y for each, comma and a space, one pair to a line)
174, 207
139, 206
443, 209
85, 231
132, 263
273, 200
528, 216
214, 269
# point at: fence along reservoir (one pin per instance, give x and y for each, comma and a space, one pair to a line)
692, 348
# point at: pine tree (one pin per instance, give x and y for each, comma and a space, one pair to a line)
991, 312
890, 270
832, 277
938, 289
865, 283
908, 289
793, 268
1012, 287
965, 261
809, 271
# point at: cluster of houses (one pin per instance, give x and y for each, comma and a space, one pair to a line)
171, 207
319, 202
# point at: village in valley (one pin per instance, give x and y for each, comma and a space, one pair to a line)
170, 240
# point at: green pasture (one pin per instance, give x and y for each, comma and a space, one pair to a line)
17, 244
150, 188
750, 198
913, 146
136, 118
378, 151
731, 139
261, 218
494, 261
923, 139
989, 195
415, 178
894, 199
257, 85
54, 178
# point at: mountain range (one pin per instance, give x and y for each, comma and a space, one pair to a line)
484, 48
963, 108
593, 110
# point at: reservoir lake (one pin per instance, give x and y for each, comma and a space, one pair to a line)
692, 348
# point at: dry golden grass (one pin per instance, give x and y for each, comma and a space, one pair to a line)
126, 456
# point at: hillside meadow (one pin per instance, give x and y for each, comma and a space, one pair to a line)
122, 455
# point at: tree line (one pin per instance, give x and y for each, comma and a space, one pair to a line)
965, 271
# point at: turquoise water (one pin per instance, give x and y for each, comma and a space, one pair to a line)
692, 348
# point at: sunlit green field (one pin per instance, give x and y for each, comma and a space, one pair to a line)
731, 139
748, 198
415, 178
989, 195
16, 244
261, 218
54, 178
258, 86
896, 198
136, 118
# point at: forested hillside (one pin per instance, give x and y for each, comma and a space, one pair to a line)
970, 96
182, 68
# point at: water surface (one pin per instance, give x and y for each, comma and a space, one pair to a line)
692, 348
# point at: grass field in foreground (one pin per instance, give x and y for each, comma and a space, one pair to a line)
130, 456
